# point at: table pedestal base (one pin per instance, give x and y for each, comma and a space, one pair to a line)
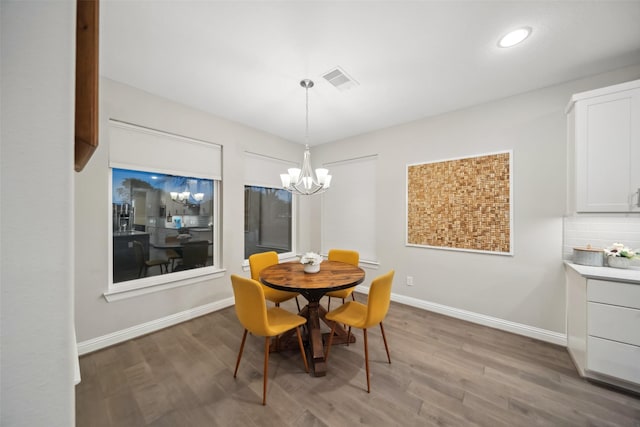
314, 338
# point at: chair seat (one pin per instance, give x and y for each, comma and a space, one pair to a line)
277, 296
281, 321
172, 254
154, 262
342, 293
351, 313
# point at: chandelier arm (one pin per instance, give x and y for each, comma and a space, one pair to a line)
296, 191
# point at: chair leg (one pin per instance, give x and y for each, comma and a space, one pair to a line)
366, 359
348, 336
333, 330
244, 337
329, 304
298, 304
304, 355
266, 370
384, 338
353, 296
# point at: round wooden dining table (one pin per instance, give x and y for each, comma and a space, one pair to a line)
333, 275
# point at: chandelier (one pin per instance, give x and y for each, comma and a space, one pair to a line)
183, 196
302, 181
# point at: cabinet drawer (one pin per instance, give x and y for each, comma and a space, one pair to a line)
616, 293
614, 359
614, 323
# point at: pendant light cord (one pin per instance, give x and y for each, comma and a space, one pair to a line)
306, 131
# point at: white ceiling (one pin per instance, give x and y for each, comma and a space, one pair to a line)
244, 60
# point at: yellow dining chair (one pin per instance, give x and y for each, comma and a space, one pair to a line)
257, 319
260, 261
358, 315
350, 257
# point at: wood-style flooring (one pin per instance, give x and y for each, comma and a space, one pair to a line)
444, 371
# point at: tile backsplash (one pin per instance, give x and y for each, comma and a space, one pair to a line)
600, 232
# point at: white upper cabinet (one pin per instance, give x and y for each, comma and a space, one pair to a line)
604, 144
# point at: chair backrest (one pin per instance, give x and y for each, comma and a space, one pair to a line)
138, 250
171, 239
194, 254
258, 262
344, 255
250, 307
379, 299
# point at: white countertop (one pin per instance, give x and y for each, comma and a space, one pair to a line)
631, 274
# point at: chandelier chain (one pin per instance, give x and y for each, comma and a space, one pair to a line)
306, 130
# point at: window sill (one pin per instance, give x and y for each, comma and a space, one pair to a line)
161, 283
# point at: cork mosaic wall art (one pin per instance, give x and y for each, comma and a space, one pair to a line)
462, 204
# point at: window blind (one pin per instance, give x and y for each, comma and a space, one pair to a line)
348, 207
139, 148
264, 171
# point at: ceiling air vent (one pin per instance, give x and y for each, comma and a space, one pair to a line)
339, 79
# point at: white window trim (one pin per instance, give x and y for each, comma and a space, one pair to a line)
144, 286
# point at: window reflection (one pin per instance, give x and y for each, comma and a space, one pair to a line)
161, 223
267, 216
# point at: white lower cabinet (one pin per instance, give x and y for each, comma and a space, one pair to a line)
603, 329
614, 358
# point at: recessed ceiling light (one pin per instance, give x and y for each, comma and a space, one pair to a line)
514, 37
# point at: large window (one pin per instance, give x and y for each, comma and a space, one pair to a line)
161, 223
267, 220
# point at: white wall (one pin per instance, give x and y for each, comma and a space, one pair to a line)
95, 317
526, 289
36, 216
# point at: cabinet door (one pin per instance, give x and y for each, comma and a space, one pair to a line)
607, 136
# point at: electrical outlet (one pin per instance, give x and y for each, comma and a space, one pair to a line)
409, 280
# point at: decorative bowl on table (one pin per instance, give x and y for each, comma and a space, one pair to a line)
311, 262
310, 268
183, 237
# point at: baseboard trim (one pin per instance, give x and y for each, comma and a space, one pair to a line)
117, 337
104, 341
492, 322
